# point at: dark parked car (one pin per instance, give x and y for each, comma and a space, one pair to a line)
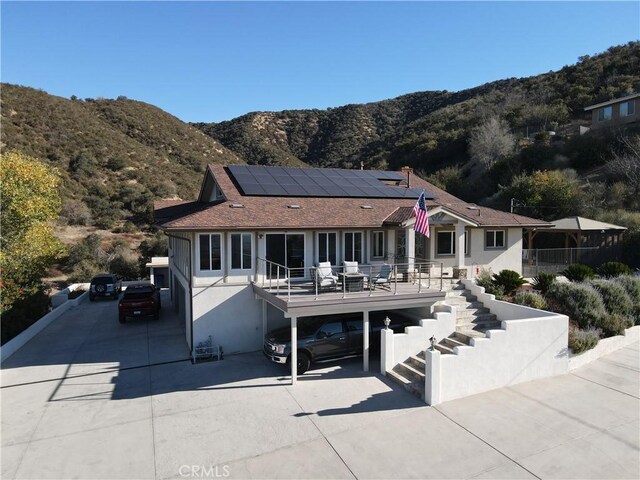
329, 336
105, 285
139, 300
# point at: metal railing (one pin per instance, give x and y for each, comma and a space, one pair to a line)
279, 279
557, 259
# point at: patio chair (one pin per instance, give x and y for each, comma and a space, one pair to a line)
382, 278
351, 267
325, 278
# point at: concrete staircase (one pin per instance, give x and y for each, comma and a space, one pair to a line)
472, 321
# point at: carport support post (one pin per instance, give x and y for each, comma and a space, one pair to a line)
365, 341
294, 350
264, 319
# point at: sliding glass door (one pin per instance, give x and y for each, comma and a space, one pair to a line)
286, 249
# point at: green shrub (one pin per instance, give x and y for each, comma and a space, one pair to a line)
530, 299
583, 340
615, 297
543, 281
125, 268
614, 324
632, 286
578, 272
484, 280
509, 280
581, 302
613, 269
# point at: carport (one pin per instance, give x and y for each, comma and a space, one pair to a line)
296, 307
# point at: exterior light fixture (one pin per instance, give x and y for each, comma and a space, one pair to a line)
433, 342
387, 321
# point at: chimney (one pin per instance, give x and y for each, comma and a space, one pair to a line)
408, 171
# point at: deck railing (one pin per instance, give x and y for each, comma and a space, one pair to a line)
282, 280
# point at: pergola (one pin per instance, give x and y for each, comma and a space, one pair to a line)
577, 232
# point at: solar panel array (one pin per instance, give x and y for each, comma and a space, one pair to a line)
256, 180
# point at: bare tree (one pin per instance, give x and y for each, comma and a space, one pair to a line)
491, 142
626, 164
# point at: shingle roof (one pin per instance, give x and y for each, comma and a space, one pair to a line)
313, 212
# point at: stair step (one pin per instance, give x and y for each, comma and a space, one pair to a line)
444, 349
466, 335
472, 312
459, 296
415, 388
453, 342
418, 363
480, 318
410, 372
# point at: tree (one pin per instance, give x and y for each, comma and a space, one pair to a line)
491, 142
626, 164
546, 194
30, 206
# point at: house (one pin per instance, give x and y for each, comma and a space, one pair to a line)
613, 113
243, 256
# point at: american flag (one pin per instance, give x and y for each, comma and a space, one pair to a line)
422, 218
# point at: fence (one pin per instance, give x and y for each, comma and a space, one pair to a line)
556, 259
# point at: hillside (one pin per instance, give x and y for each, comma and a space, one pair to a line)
114, 155
429, 130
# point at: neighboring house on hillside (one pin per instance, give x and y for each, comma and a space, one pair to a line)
243, 256
619, 111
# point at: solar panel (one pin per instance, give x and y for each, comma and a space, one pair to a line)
319, 182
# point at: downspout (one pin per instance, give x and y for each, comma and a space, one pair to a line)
188, 240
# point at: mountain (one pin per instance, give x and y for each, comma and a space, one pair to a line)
114, 156
428, 130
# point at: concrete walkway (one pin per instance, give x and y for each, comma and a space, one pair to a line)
90, 398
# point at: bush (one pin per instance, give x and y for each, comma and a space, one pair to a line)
543, 281
613, 269
583, 340
530, 299
581, 302
578, 272
615, 297
509, 280
614, 324
484, 280
24, 313
632, 286
125, 268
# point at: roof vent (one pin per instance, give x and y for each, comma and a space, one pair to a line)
293, 206
236, 205
366, 207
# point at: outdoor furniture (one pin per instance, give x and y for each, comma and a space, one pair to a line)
383, 277
351, 267
352, 282
325, 278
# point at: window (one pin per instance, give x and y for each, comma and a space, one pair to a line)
627, 108
353, 247
241, 251
494, 239
327, 247
378, 244
604, 114
330, 329
446, 243
210, 257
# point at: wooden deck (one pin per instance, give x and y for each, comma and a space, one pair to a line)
301, 299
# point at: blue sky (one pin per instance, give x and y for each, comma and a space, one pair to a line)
212, 61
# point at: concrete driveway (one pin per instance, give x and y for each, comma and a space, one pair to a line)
90, 398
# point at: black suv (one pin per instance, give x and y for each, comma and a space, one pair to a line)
329, 336
105, 285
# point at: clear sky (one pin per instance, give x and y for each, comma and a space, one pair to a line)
212, 61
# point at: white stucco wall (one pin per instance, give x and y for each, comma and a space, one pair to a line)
531, 344
480, 257
230, 314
